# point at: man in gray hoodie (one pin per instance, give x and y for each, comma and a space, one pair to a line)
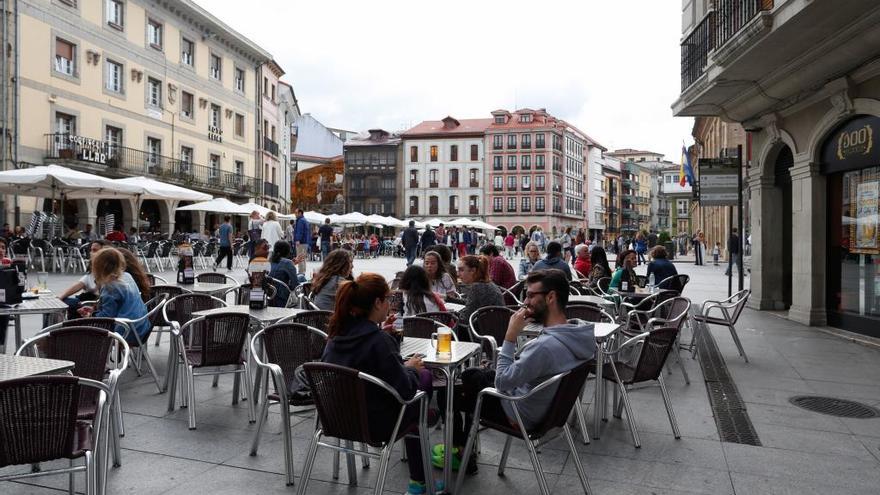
562, 346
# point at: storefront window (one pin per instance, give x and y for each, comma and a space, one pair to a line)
859, 243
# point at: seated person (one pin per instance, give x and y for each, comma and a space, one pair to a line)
335, 269
417, 295
86, 284
625, 272
441, 280
479, 291
582, 260
284, 270
500, 270
531, 257
355, 340
134, 268
120, 297
554, 260
562, 346
117, 235
261, 249
662, 269
133, 237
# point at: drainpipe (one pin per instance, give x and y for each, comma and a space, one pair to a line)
4, 73
15, 94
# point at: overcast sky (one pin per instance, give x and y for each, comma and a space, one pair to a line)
609, 67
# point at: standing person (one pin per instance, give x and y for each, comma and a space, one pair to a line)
498, 240
440, 233
463, 239
302, 238
500, 270
716, 252
452, 242
652, 239
428, 238
554, 260
475, 238
641, 247
225, 249
410, 241
509, 241
733, 252
325, 233
698, 249
255, 226
566, 242
356, 340
272, 231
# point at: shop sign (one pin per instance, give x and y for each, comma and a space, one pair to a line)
89, 150
718, 182
215, 134
852, 146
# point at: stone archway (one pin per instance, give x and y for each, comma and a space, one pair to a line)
518, 229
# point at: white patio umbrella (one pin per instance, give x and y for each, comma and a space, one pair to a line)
377, 220
479, 224
417, 224
263, 211
217, 205
314, 217
434, 222
394, 222
461, 222
154, 189
354, 218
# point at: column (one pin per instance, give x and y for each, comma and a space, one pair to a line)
166, 215
809, 242
767, 252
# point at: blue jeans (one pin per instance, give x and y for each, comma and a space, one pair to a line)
410, 255
736, 259
325, 249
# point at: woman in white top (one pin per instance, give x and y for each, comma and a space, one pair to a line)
441, 281
272, 231
417, 295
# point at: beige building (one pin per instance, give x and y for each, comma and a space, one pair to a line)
129, 88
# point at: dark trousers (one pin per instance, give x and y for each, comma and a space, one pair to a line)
325, 249
74, 302
411, 442
473, 380
224, 252
410, 255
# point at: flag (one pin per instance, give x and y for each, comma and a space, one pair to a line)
685, 172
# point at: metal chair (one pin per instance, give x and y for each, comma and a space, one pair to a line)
242, 293
569, 385
422, 328
91, 349
489, 325
176, 312
730, 308
155, 278
340, 396
286, 346
675, 282
215, 341
160, 325
40, 425
587, 312
282, 288
314, 318
137, 343
655, 348
303, 294
215, 278
442, 317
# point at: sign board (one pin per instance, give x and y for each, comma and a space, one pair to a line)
719, 181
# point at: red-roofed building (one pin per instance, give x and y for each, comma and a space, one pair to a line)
444, 168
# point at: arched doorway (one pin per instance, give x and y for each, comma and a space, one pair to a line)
109, 207
518, 229
149, 217
782, 183
183, 220
502, 229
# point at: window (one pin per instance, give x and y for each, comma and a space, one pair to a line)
154, 92
499, 119
453, 178
539, 162
413, 205
526, 141
114, 76
496, 163
525, 118
496, 204
511, 141
474, 180
433, 205
498, 141
511, 183
239, 79
216, 66
154, 34
453, 153
475, 155
525, 162
473, 207
186, 155
539, 140
273, 93
434, 153
432, 177
539, 183
65, 62
187, 101
511, 204
497, 183
154, 148
526, 204
413, 153
215, 116
214, 164
115, 14
539, 204
682, 207
113, 138
239, 168
511, 162
413, 178
187, 52
453, 205
239, 125
526, 183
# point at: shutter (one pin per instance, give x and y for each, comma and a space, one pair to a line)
63, 49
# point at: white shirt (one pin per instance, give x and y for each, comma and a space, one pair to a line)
88, 281
499, 241
272, 232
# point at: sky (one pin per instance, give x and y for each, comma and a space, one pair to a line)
611, 68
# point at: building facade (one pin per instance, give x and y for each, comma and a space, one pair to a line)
814, 168
444, 171
271, 128
596, 193
288, 113
317, 167
133, 88
611, 173
374, 174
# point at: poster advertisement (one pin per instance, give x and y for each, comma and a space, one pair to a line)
866, 215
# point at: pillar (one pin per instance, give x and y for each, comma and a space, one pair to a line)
809, 242
166, 215
767, 252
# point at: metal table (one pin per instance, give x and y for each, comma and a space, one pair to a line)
461, 353
207, 288
266, 316
597, 300
46, 304
454, 307
12, 367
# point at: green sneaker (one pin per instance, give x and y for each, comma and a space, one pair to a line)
438, 457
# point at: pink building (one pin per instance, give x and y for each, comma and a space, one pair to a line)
526, 173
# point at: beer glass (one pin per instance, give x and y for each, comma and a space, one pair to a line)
443, 338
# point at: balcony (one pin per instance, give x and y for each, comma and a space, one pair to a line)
475, 183
270, 189
370, 192
413, 184
433, 185
496, 209
270, 146
453, 183
526, 209
497, 146
629, 213
744, 50
98, 157
539, 145
474, 210
539, 188
539, 166
413, 210
663, 212
511, 146
539, 209
526, 146
511, 187
453, 211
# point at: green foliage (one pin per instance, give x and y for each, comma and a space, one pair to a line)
664, 237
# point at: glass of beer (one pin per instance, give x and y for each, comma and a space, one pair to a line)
443, 338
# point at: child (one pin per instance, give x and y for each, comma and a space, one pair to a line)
716, 251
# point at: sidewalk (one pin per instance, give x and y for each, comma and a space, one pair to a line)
801, 452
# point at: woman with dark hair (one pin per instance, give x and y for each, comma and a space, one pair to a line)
479, 290
446, 256
283, 269
335, 269
133, 267
599, 267
441, 281
625, 272
355, 340
418, 297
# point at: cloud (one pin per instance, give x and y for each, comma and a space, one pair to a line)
611, 68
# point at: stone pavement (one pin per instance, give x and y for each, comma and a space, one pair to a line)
801, 452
